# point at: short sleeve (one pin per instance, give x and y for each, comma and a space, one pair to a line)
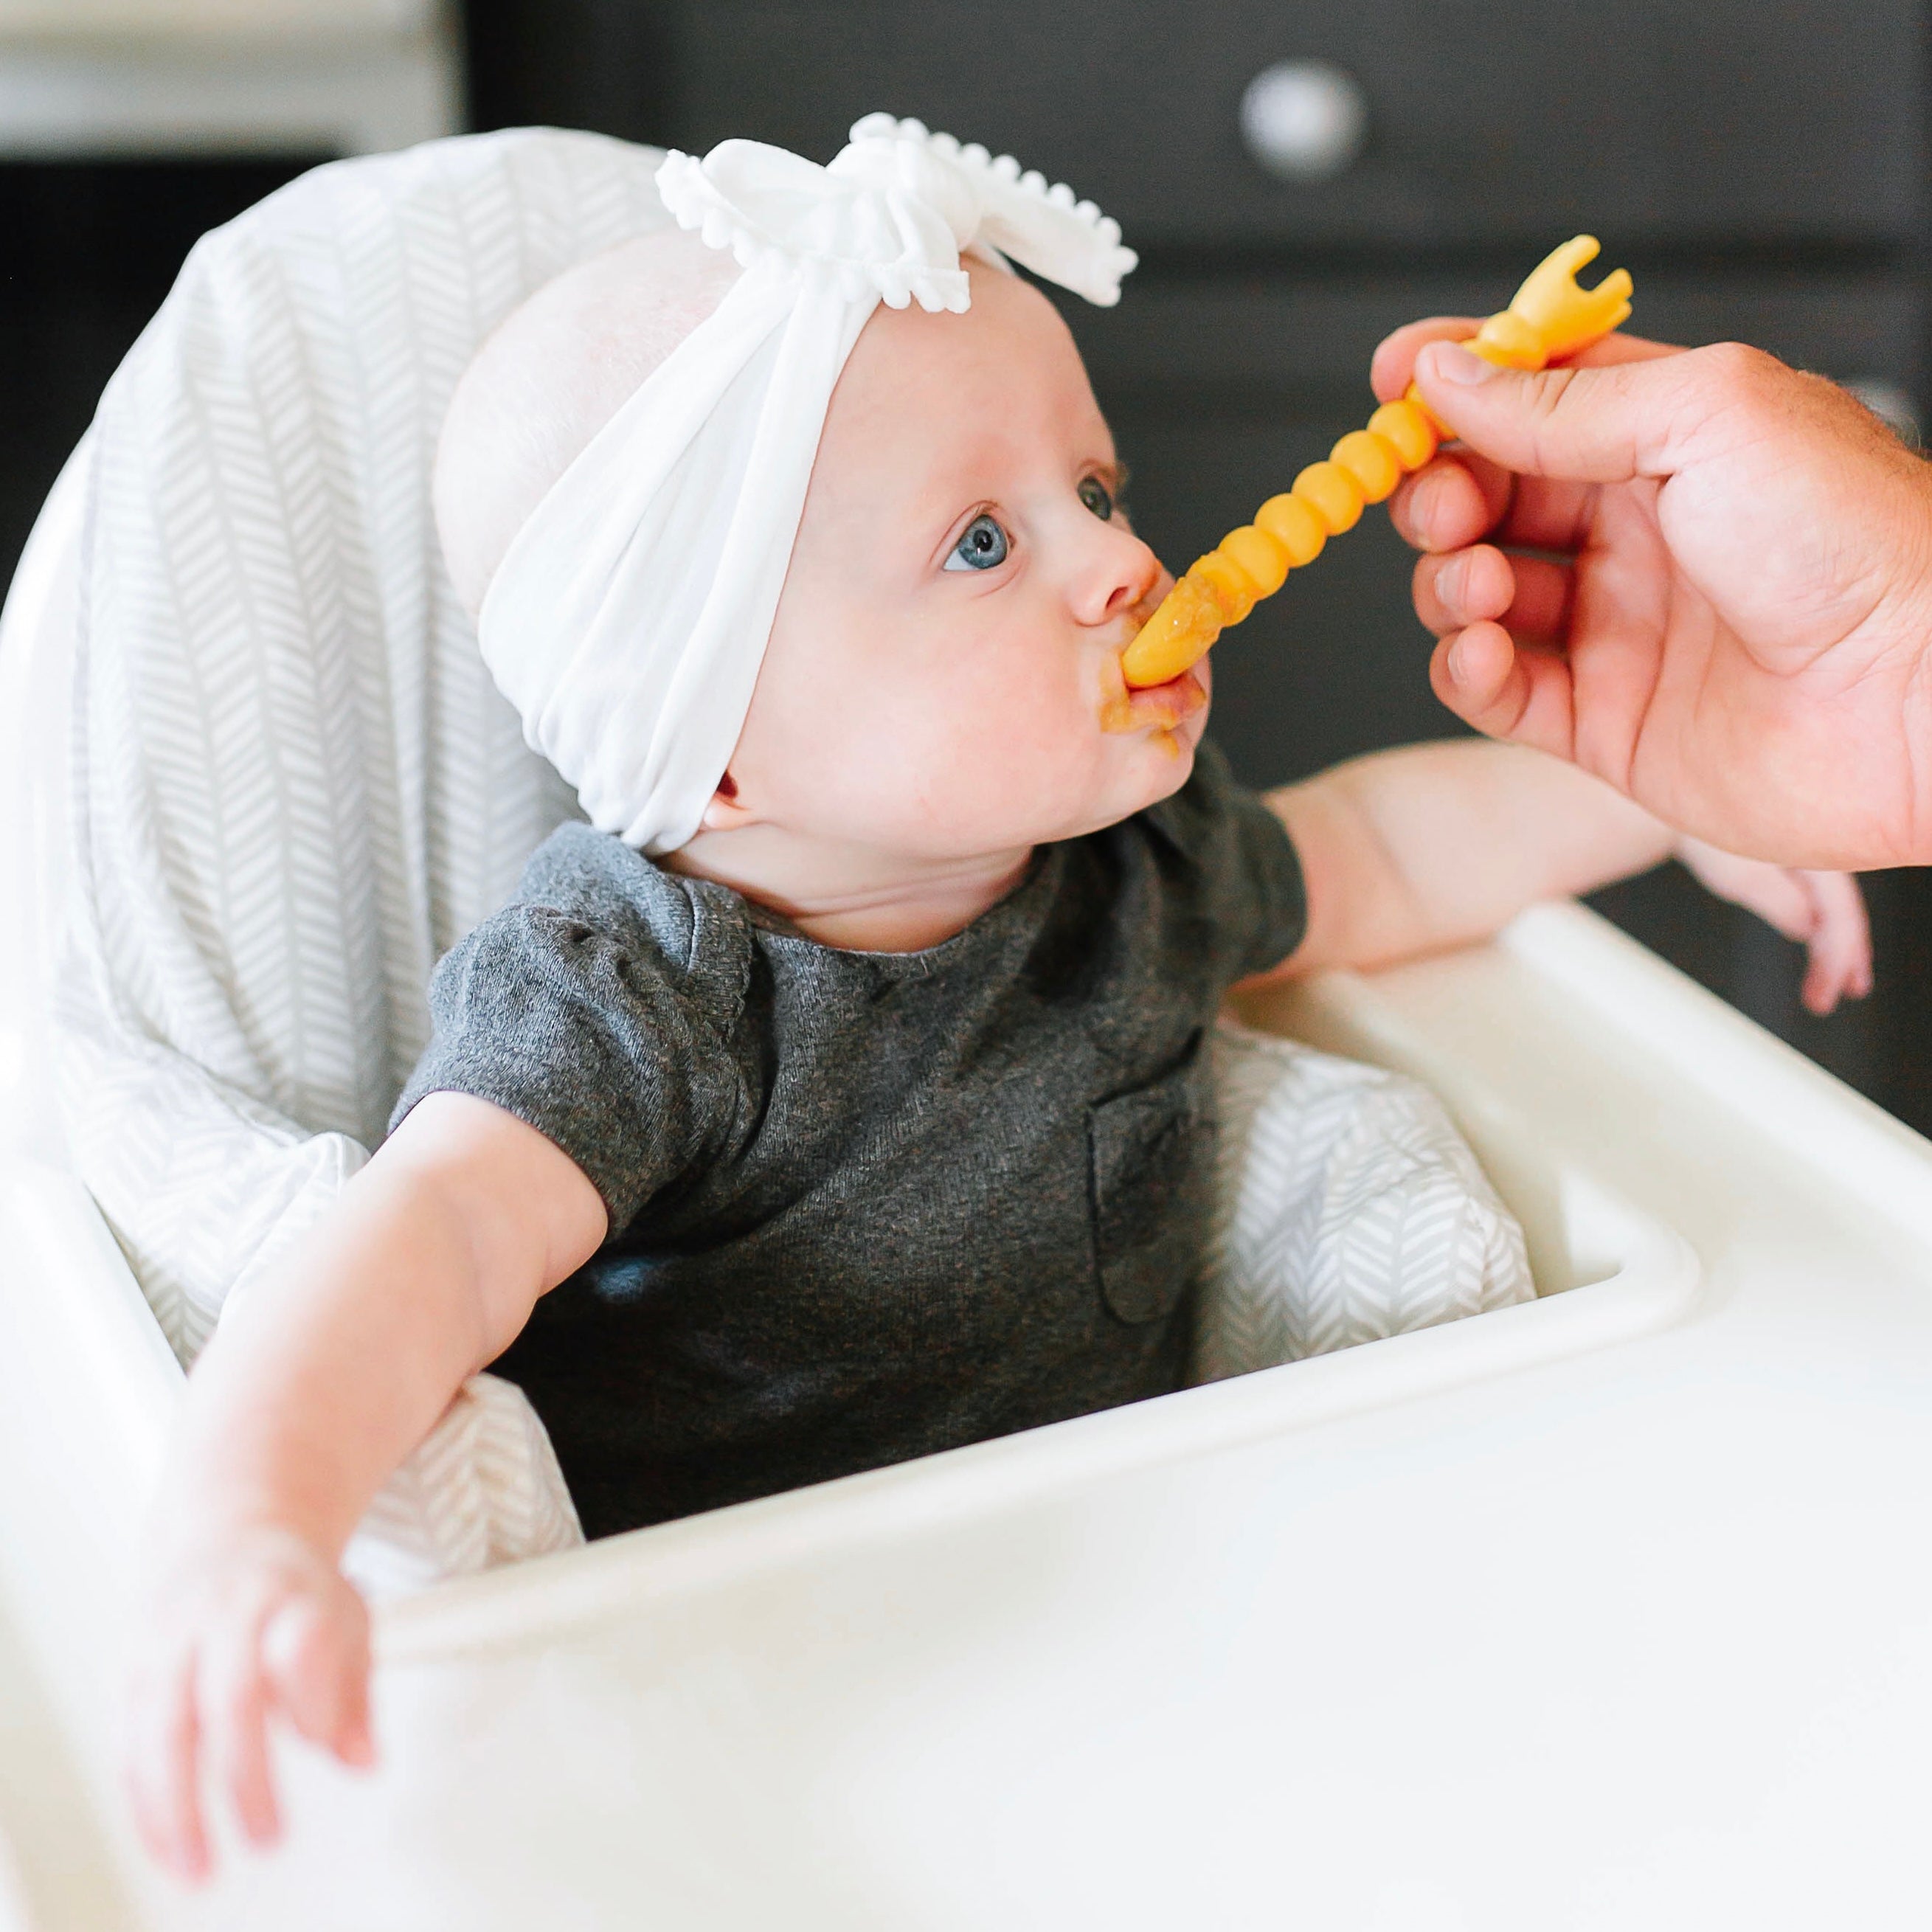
572, 1017
1243, 864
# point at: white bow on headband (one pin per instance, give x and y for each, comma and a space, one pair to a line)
628, 620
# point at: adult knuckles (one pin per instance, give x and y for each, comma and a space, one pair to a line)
1553, 429
1732, 379
1638, 412
1737, 366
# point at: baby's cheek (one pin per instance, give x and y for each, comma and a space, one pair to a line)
1116, 713
1011, 765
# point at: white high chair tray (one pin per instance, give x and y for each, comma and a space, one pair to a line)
1611, 1610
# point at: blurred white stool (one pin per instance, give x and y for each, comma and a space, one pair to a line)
79, 78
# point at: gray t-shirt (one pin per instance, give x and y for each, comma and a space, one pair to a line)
863, 1206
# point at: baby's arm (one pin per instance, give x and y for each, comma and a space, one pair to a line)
1432, 846
334, 1368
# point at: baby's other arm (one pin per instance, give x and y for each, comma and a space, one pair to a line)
334, 1367
1432, 846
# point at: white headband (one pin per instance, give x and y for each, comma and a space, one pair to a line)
628, 620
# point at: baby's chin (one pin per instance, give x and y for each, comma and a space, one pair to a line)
1158, 758
1171, 748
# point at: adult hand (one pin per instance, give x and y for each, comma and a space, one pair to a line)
1730, 616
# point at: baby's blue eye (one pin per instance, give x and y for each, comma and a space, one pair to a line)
1097, 497
983, 547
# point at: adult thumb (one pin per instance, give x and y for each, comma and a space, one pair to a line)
1585, 425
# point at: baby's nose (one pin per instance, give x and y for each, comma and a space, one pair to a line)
1123, 573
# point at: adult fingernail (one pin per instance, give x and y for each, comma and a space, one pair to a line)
1454, 364
1454, 662
1412, 510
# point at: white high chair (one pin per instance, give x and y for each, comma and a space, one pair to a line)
1606, 1610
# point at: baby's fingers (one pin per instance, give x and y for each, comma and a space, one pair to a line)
234, 1704
1840, 962
162, 1772
1826, 911
1781, 897
317, 1652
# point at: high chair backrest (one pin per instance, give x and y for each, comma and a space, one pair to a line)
292, 784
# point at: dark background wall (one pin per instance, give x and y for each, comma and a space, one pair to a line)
1760, 166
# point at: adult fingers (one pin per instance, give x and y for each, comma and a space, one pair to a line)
1620, 348
1451, 501
1523, 693
1392, 368
1529, 596
1458, 499
1603, 423
1469, 586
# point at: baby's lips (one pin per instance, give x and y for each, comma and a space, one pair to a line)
1147, 707
1177, 632
1165, 705
1152, 707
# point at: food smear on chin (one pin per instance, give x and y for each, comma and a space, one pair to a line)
1117, 710
1161, 707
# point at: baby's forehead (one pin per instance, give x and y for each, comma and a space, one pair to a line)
938, 393
1009, 327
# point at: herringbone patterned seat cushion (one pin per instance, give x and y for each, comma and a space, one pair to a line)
1350, 1209
293, 784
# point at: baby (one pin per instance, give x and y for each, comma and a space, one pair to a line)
837, 1094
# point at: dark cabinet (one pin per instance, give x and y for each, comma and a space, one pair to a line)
1485, 122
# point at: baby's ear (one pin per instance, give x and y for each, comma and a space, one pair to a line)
727, 811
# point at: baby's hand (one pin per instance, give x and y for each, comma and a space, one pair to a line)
241, 1630
1824, 910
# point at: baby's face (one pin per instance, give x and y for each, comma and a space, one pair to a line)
943, 679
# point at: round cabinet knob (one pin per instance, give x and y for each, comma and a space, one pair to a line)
1304, 120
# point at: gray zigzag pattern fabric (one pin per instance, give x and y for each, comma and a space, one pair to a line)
294, 786
1349, 1209
484, 1489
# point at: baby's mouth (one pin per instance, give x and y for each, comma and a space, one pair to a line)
1153, 707
1158, 707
